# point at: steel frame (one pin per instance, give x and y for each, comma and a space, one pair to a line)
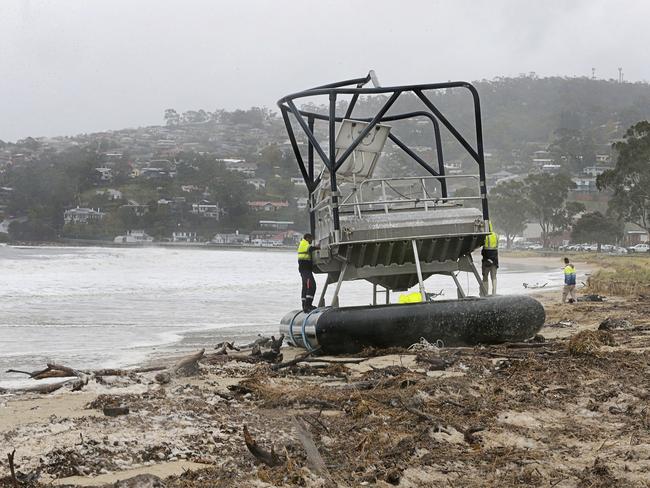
357, 87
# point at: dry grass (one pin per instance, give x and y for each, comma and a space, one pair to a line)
620, 275
589, 341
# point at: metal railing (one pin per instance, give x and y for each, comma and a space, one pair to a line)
388, 201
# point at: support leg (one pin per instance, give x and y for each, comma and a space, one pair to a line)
321, 301
459, 288
374, 293
482, 284
416, 255
335, 298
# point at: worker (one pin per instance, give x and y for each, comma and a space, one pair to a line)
569, 282
490, 261
306, 267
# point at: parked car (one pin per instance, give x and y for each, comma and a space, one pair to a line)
639, 248
535, 247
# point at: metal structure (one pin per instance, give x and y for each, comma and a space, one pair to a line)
392, 231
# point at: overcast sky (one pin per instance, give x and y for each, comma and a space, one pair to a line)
72, 66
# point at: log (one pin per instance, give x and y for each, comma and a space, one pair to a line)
189, 365
269, 458
294, 361
425, 416
261, 341
469, 436
12, 468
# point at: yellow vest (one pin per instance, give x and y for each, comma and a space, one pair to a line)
491, 241
303, 251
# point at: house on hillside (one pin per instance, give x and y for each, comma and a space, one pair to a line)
267, 205
258, 183
302, 203
584, 184
275, 224
110, 193
82, 215
206, 209
596, 170
105, 174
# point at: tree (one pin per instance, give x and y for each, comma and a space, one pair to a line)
573, 148
172, 117
547, 195
598, 228
508, 206
630, 178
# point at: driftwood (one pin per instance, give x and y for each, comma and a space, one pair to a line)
469, 436
269, 458
314, 458
295, 360
260, 341
12, 468
425, 416
189, 365
52, 371
77, 379
223, 347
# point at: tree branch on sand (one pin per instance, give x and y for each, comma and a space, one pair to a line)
270, 458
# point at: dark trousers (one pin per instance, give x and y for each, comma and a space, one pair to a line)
308, 289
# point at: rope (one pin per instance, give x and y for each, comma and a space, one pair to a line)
424, 345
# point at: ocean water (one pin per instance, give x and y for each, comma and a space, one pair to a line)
91, 307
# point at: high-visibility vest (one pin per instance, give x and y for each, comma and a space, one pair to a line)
303, 250
569, 275
491, 241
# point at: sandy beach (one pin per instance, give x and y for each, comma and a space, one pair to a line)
568, 409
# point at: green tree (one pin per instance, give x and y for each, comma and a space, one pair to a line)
598, 228
630, 178
547, 195
509, 209
172, 117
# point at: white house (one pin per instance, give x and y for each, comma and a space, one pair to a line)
105, 174
134, 237
183, 236
302, 203
256, 182
205, 209
596, 170
111, 193
584, 184
82, 215
235, 238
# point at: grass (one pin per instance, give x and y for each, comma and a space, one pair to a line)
619, 275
